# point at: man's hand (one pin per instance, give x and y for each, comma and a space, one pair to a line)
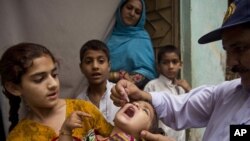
124, 90
155, 137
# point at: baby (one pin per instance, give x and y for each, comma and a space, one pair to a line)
129, 121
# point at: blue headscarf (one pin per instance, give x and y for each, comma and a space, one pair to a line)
130, 46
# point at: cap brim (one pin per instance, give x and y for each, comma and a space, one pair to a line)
216, 34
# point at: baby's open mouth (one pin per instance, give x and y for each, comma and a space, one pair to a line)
130, 112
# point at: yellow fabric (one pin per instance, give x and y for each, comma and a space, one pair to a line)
28, 130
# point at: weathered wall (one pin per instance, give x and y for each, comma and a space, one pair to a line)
203, 64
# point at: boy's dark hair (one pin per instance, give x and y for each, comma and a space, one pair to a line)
94, 45
167, 49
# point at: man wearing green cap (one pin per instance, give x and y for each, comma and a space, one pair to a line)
214, 107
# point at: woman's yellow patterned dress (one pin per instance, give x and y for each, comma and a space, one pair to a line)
28, 130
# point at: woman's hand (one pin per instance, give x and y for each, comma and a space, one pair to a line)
73, 121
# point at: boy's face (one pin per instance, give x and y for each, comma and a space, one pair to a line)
170, 65
95, 66
134, 117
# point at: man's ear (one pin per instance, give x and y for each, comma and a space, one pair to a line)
13, 88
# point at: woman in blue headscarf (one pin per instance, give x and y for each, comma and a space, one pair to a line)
131, 51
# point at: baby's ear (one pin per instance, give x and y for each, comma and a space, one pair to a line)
12, 88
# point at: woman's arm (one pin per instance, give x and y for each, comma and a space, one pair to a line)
138, 79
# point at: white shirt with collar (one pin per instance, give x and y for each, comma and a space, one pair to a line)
162, 83
107, 108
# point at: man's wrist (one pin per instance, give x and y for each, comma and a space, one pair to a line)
146, 96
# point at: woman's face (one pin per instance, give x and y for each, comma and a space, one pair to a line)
131, 12
40, 85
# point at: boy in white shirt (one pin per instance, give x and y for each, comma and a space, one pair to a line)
95, 65
169, 65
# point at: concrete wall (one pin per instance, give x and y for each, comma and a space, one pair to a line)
203, 64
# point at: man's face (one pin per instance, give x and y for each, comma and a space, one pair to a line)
236, 42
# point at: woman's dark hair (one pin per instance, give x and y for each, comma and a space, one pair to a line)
122, 5
14, 63
94, 45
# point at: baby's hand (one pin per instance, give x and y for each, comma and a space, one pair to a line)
74, 121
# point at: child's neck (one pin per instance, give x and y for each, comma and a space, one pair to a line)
95, 93
173, 81
117, 130
44, 113
97, 89
49, 116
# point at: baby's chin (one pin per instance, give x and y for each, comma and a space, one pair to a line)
122, 125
